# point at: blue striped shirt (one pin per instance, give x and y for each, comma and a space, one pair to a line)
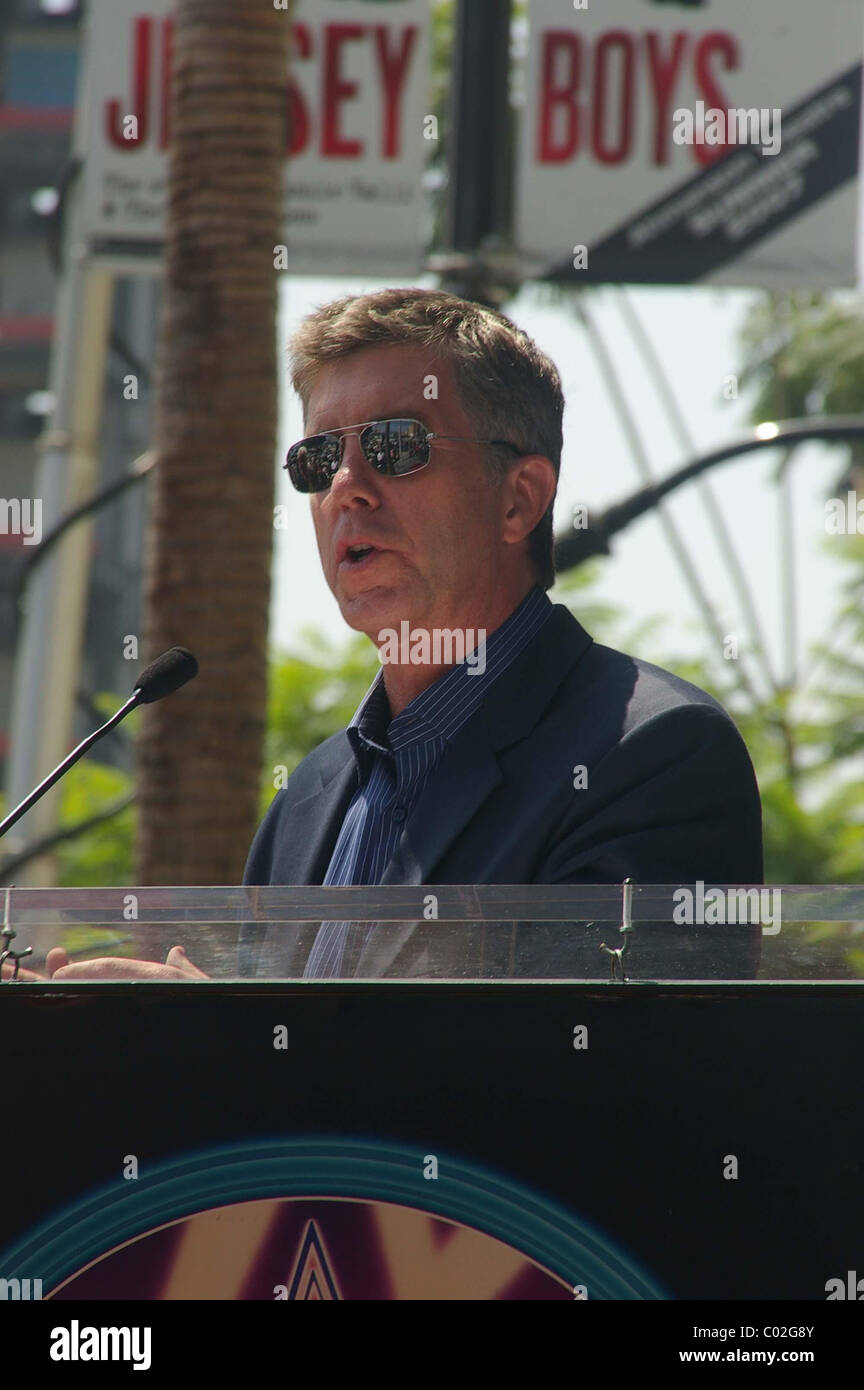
395, 758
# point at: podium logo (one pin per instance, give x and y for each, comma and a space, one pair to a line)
313, 1277
20, 1289
77, 1343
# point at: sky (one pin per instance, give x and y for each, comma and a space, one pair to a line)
694, 333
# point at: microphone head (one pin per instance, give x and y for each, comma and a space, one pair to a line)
165, 675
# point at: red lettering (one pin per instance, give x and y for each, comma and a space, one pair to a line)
567, 108
338, 90
727, 47
394, 70
298, 113
141, 91
663, 69
560, 94
617, 40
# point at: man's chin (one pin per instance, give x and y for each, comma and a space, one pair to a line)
373, 610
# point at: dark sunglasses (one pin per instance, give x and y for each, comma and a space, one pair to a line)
392, 447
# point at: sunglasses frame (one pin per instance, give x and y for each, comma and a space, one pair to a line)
347, 431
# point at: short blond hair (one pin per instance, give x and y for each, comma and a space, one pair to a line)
508, 388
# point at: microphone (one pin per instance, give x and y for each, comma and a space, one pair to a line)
163, 676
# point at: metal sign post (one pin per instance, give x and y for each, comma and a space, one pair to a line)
48, 655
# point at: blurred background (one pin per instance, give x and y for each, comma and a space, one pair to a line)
180, 184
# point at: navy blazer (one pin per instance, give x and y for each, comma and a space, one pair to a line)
670, 797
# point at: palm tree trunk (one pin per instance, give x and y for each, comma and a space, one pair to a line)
210, 527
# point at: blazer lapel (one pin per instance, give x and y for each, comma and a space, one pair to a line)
467, 773
311, 828
460, 783
306, 839
470, 769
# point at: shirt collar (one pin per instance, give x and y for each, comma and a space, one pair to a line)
440, 710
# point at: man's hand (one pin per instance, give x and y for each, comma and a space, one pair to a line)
8, 971
177, 967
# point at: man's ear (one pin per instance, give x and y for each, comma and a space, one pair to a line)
530, 486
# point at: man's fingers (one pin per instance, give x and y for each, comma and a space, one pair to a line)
178, 967
115, 968
23, 973
178, 958
103, 968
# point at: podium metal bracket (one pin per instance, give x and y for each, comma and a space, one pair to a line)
7, 935
616, 953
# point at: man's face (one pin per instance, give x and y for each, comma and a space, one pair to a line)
437, 532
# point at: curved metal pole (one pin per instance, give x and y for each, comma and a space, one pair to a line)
574, 547
138, 470
632, 432
725, 541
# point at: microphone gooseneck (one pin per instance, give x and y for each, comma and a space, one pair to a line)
163, 676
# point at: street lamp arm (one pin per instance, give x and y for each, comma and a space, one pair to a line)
574, 547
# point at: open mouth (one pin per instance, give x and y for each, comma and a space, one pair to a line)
357, 555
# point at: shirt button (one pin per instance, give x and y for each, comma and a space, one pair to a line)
399, 813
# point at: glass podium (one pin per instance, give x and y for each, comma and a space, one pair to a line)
458, 932
613, 1092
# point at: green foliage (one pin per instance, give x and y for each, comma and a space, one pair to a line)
804, 355
313, 694
102, 856
573, 588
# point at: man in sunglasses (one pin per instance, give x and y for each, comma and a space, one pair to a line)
430, 459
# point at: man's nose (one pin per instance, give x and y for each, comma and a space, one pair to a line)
355, 476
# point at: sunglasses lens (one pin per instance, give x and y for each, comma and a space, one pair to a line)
396, 447
393, 447
312, 463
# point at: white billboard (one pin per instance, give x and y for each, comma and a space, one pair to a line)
356, 97
708, 141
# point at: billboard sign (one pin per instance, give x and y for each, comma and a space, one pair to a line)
356, 96
712, 141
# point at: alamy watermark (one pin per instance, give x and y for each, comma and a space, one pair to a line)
845, 518
22, 516
738, 125
437, 646
77, 1343
849, 1288
727, 907
20, 1290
